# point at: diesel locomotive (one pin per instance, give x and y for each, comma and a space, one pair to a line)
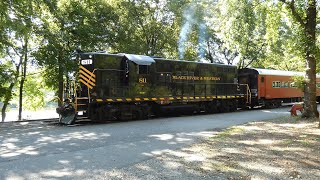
128, 86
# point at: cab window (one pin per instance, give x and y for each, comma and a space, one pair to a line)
143, 69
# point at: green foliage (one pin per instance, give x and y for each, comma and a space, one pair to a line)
5, 77
261, 34
147, 27
34, 93
299, 82
243, 28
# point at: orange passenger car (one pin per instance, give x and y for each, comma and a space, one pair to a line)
270, 88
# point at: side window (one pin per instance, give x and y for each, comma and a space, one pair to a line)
276, 84
262, 80
143, 69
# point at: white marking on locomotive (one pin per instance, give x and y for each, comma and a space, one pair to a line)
86, 61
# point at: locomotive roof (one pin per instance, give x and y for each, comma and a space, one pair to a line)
138, 59
147, 60
174, 60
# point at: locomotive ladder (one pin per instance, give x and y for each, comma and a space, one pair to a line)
81, 104
247, 93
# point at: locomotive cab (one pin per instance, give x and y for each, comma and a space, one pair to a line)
250, 77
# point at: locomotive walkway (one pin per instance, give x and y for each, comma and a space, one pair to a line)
98, 151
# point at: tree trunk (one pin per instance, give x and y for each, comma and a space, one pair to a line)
8, 94
60, 81
6, 101
23, 77
310, 39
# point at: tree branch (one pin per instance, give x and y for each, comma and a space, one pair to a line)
294, 12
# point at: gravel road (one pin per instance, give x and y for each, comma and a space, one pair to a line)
100, 151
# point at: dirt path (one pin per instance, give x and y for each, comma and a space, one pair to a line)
277, 149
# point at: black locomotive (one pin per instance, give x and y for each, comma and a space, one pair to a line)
127, 86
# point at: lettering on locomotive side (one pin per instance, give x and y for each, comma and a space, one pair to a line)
142, 80
196, 78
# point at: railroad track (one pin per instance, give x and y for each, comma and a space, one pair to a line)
86, 121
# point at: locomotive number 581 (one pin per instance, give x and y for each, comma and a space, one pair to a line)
142, 80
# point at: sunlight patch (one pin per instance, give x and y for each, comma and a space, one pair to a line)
261, 167
144, 167
252, 128
63, 161
10, 140
15, 177
12, 154
260, 142
33, 133
56, 173
9, 145
163, 137
231, 150
294, 125
194, 157
172, 165
293, 149
183, 139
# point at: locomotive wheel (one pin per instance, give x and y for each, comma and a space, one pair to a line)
93, 114
233, 106
223, 106
212, 107
137, 114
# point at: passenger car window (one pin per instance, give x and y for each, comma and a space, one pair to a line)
276, 84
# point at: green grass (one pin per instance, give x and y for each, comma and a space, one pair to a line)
229, 132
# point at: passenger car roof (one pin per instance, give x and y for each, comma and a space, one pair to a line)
278, 72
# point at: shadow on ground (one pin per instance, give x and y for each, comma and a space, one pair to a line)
282, 149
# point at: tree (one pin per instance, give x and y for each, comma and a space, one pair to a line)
242, 26
305, 15
15, 39
147, 27
68, 25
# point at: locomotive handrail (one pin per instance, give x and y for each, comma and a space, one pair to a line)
107, 70
248, 92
